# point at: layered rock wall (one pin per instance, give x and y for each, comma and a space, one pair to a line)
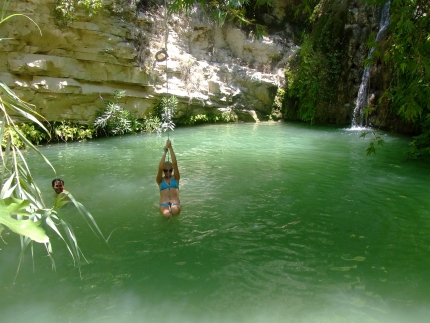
66, 69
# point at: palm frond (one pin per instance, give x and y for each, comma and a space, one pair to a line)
22, 209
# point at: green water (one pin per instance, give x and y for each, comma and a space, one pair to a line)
280, 223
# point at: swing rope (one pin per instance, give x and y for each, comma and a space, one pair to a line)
169, 102
164, 52
166, 103
166, 36
167, 92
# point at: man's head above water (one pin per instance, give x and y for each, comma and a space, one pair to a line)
58, 185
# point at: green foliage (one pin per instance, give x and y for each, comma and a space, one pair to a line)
315, 75
420, 145
114, 120
32, 133
65, 10
408, 57
240, 11
67, 131
22, 209
168, 107
279, 99
376, 139
376, 54
278, 105
12, 208
195, 119
406, 54
61, 131
10, 135
151, 123
207, 118
307, 11
305, 80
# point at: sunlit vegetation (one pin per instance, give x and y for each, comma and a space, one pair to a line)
224, 117
63, 131
243, 13
115, 120
65, 10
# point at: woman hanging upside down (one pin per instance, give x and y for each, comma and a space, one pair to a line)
169, 184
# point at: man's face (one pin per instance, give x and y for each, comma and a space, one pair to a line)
58, 187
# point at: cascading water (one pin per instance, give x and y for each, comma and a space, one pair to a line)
361, 103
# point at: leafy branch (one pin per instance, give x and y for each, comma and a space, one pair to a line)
375, 140
22, 208
65, 10
114, 120
168, 106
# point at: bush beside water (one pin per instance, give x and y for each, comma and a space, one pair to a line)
66, 131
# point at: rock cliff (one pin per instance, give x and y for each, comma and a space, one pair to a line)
67, 68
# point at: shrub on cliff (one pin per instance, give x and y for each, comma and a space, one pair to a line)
113, 120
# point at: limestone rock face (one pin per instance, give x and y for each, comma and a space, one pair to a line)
66, 70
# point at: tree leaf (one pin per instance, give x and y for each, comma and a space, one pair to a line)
28, 228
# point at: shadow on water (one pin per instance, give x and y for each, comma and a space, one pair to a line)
280, 223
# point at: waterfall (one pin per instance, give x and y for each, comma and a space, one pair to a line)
361, 103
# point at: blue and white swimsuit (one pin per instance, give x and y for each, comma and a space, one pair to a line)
164, 186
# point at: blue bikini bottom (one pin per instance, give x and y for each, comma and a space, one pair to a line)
169, 205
